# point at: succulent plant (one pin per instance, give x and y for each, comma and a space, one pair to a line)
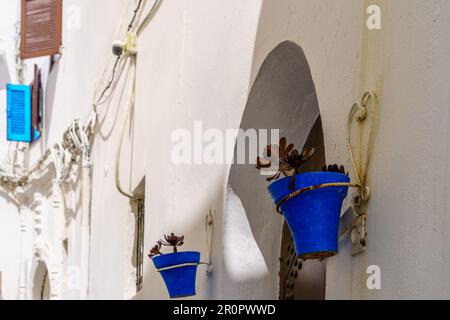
169, 241
290, 160
334, 168
173, 241
156, 250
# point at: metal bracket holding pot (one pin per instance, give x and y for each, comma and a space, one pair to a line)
355, 222
179, 266
362, 114
182, 266
355, 226
209, 229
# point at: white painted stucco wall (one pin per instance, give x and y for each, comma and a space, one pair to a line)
197, 61
408, 214
10, 220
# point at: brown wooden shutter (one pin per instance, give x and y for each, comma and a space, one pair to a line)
41, 28
36, 100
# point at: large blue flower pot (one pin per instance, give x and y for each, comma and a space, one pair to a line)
313, 217
180, 282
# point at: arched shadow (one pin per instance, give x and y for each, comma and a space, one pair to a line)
282, 97
41, 282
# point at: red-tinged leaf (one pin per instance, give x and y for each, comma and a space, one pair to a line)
282, 148
289, 149
263, 163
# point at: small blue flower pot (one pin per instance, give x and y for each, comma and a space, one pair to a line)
180, 282
313, 217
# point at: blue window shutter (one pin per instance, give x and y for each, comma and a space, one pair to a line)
19, 113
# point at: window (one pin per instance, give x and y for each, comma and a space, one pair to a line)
41, 28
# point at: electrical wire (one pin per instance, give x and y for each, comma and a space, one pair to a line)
109, 85
148, 17
110, 82
130, 25
10, 183
74, 142
122, 133
111, 88
130, 106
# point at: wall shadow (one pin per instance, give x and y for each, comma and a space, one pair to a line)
283, 97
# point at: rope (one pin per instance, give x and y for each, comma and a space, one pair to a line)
148, 17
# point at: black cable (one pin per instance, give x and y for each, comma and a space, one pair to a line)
111, 81
130, 26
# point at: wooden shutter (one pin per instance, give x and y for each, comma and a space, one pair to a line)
36, 100
41, 28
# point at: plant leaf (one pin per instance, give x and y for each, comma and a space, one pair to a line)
282, 147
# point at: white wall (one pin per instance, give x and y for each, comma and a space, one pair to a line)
10, 221
174, 65
408, 214
197, 61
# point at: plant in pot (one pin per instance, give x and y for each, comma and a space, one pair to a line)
310, 202
178, 269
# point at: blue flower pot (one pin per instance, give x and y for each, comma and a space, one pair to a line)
180, 282
313, 217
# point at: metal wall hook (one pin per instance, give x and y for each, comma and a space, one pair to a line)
356, 223
209, 231
362, 111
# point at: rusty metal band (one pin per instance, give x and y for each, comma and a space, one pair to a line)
312, 188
